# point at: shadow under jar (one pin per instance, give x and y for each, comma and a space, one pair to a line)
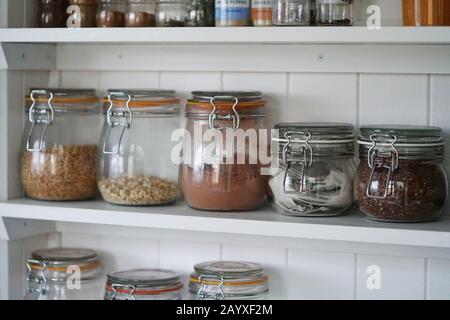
401, 177
59, 152
50, 270
143, 284
221, 169
111, 13
313, 169
51, 13
136, 167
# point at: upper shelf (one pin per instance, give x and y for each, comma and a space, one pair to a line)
245, 35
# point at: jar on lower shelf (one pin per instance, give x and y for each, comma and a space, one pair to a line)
291, 12
313, 169
51, 13
141, 13
49, 272
228, 280
334, 12
111, 13
143, 284
401, 177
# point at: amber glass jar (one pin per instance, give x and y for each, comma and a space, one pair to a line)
218, 172
111, 13
426, 12
88, 13
51, 13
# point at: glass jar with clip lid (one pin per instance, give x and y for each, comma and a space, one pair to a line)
64, 274
228, 280
313, 168
143, 284
401, 177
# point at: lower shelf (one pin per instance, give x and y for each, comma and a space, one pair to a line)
354, 227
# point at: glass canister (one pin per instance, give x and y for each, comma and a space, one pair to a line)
135, 161
314, 169
262, 13
334, 12
141, 13
59, 152
202, 13
228, 280
426, 12
291, 12
64, 274
233, 13
218, 172
111, 13
401, 177
143, 284
51, 13
87, 13
173, 13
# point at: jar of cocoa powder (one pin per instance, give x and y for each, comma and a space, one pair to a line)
111, 13
51, 13
223, 169
141, 13
401, 177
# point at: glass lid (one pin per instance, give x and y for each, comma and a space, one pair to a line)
63, 255
229, 269
144, 277
402, 134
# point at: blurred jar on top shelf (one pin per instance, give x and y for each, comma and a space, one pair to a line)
86, 16
111, 13
291, 12
426, 12
233, 13
173, 13
334, 12
141, 13
262, 13
51, 13
202, 13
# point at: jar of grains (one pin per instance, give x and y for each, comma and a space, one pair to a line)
51, 13
173, 13
222, 170
401, 177
59, 153
143, 284
291, 12
135, 164
313, 168
228, 280
334, 12
53, 275
141, 13
85, 17
111, 13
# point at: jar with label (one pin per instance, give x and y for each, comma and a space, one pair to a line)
59, 152
233, 13
141, 13
173, 13
313, 169
401, 177
334, 12
426, 12
291, 12
111, 13
84, 15
202, 13
51, 13
51, 275
221, 170
143, 284
136, 167
262, 13
228, 280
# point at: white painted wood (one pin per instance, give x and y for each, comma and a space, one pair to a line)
29, 56
391, 12
24, 228
438, 276
186, 82
4, 270
127, 80
400, 278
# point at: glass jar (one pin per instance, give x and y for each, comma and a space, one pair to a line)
88, 13
233, 13
228, 280
135, 163
59, 152
401, 177
426, 12
111, 13
51, 13
262, 13
143, 284
173, 13
291, 12
202, 13
141, 13
314, 169
64, 274
218, 173
334, 12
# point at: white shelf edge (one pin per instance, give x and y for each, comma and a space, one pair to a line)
266, 222
243, 35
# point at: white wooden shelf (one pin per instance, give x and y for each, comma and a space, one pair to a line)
246, 35
266, 222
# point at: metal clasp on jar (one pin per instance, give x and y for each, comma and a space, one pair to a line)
43, 118
209, 280
291, 157
122, 288
41, 280
377, 160
214, 117
127, 115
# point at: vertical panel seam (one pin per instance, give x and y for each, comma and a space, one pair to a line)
288, 93
426, 279
355, 275
429, 100
358, 99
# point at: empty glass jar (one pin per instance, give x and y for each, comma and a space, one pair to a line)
313, 169
64, 274
136, 167
401, 177
173, 13
291, 12
334, 12
141, 13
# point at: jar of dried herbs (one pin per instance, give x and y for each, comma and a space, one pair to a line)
401, 177
173, 13
202, 13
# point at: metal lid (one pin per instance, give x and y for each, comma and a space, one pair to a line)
241, 95
63, 255
319, 131
133, 98
403, 134
144, 278
229, 269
